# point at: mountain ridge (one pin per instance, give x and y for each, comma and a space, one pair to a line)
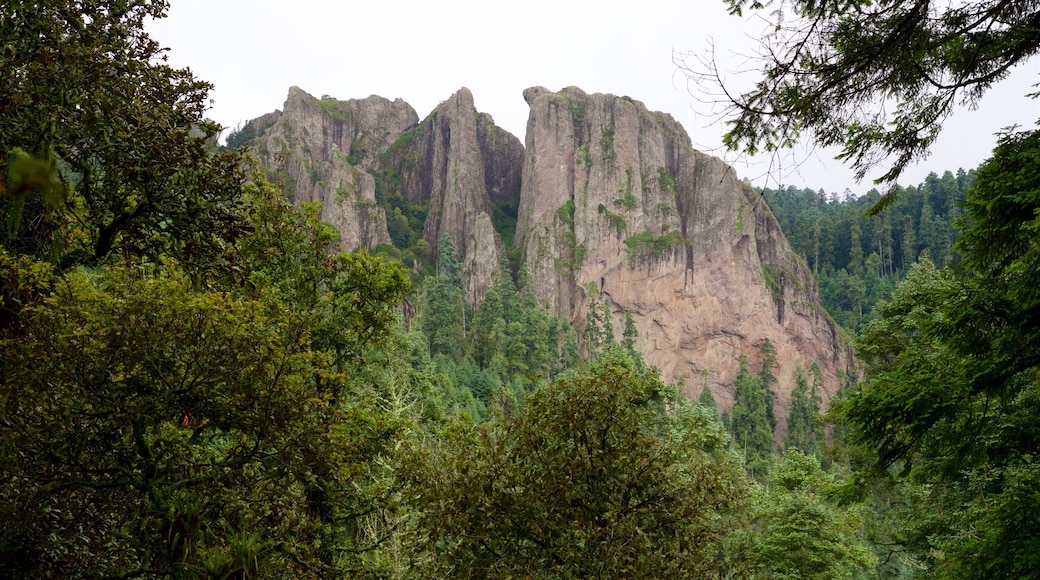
612, 204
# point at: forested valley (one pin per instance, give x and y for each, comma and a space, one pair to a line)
193, 385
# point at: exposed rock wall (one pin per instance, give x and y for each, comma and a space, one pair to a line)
321, 150
611, 200
614, 196
456, 161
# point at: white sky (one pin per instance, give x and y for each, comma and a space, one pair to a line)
425, 50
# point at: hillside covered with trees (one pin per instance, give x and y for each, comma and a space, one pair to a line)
858, 258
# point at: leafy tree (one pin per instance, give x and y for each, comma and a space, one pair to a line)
194, 408
952, 391
877, 78
103, 147
603, 474
150, 428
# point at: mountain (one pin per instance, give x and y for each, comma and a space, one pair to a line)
455, 163
611, 205
616, 201
322, 149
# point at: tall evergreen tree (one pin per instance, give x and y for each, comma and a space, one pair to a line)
599, 325
768, 379
706, 399
442, 316
750, 421
803, 431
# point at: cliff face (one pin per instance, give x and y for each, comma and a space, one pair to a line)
615, 200
322, 150
455, 163
611, 203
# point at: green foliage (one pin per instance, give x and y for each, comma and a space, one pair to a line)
192, 408
606, 144
951, 398
504, 214
442, 317
765, 373
627, 201
629, 336
877, 79
599, 323
244, 135
147, 423
585, 156
114, 155
566, 213
797, 533
836, 238
749, 424
646, 244
573, 255
357, 155
668, 183
336, 109
616, 221
774, 281
706, 399
592, 477
803, 430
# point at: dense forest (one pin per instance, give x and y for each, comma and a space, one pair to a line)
858, 260
193, 385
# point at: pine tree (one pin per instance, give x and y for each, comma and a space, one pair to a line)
599, 327
706, 399
855, 248
768, 379
750, 421
443, 316
629, 336
803, 433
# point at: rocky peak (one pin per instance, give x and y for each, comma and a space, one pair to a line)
614, 200
320, 149
611, 204
454, 163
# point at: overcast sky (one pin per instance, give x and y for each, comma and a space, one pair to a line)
423, 51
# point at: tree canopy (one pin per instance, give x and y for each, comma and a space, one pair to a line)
951, 399
875, 78
104, 148
179, 350
594, 477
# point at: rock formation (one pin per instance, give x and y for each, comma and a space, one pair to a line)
455, 163
611, 204
615, 200
322, 149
